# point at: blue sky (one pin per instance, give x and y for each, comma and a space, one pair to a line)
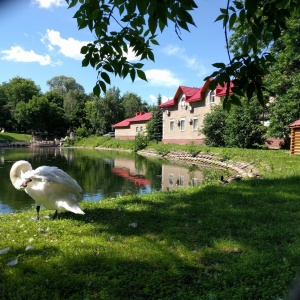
40, 40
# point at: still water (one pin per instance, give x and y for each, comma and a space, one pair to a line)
101, 174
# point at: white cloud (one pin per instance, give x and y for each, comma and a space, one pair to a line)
49, 3
154, 99
18, 54
162, 78
131, 55
165, 99
67, 47
191, 62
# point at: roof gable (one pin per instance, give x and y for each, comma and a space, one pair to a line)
193, 94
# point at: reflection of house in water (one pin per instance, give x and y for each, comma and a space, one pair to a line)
126, 168
174, 177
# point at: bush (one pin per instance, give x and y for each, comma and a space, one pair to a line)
141, 142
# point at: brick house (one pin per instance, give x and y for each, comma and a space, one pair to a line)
184, 114
129, 128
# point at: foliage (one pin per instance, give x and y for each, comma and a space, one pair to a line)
141, 141
258, 22
82, 131
132, 104
284, 80
16, 90
193, 149
40, 115
213, 127
63, 85
123, 27
241, 127
155, 125
104, 112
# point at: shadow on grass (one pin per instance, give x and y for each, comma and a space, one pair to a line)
235, 241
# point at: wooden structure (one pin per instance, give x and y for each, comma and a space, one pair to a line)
295, 137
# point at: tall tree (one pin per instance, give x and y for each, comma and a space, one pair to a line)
63, 85
132, 103
40, 115
103, 112
13, 92
155, 125
284, 80
74, 103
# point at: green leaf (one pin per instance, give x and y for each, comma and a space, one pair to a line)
250, 90
132, 74
232, 20
105, 77
96, 90
84, 49
219, 65
108, 68
102, 85
154, 42
235, 100
73, 3
220, 17
85, 62
141, 75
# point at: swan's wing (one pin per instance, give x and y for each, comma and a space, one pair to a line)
57, 176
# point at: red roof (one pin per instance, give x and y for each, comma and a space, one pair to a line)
136, 179
193, 94
295, 123
139, 117
168, 103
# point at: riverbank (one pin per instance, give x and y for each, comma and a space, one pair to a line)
235, 241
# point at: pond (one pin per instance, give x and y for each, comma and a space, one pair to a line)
100, 173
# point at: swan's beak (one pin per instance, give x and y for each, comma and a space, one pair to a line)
25, 183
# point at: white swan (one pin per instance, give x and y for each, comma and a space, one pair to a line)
48, 186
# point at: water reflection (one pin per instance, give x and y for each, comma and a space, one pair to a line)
178, 176
101, 174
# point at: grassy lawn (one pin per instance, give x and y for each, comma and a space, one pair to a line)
8, 136
234, 241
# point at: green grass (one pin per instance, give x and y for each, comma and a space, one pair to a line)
235, 241
8, 136
105, 142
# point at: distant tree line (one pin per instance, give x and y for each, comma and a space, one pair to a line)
65, 107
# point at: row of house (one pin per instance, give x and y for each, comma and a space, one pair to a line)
183, 115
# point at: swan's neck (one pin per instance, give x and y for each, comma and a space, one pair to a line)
17, 173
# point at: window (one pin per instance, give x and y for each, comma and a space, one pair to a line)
182, 102
137, 129
212, 97
171, 179
172, 126
182, 125
195, 125
181, 180
141, 129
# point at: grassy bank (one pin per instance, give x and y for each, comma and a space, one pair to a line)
14, 137
235, 241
